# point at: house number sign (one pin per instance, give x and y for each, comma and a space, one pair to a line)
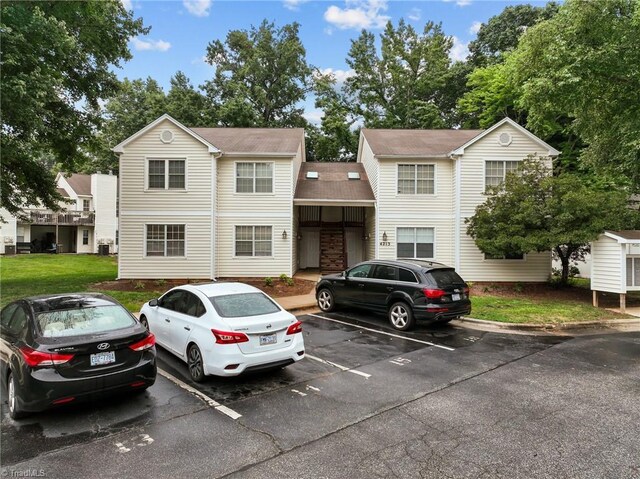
385, 243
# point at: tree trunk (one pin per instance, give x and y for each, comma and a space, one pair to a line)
564, 260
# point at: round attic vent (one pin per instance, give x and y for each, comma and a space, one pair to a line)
505, 139
166, 136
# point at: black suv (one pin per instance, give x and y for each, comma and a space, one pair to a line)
406, 290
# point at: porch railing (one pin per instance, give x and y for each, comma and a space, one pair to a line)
66, 218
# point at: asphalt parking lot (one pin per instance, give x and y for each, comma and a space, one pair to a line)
441, 401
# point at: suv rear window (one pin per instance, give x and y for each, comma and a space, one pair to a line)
245, 304
81, 321
445, 277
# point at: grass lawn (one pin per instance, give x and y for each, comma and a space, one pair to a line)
33, 274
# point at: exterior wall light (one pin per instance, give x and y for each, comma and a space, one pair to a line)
284, 234
385, 238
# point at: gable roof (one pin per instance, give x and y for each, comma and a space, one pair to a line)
119, 148
80, 184
62, 192
624, 236
333, 184
551, 151
406, 143
254, 141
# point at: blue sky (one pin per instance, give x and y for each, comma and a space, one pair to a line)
182, 29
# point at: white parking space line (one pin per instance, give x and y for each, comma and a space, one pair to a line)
335, 365
214, 404
384, 332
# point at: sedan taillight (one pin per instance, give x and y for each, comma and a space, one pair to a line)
295, 328
229, 337
146, 343
37, 358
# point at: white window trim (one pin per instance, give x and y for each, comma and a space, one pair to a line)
166, 159
635, 287
253, 193
253, 242
144, 244
504, 260
414, 244
504, 173
435, 180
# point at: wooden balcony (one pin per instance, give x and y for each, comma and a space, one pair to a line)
61, 218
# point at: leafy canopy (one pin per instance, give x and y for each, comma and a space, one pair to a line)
55, 70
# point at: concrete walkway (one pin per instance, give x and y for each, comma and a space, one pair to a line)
635, 311
302, 301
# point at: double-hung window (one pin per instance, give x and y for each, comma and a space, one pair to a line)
165, 240
496, 171
86, 205
254, 177
254, 241
416, 179
85, 237
633, 271
415, 243
166, 175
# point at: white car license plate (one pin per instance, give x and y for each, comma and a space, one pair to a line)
268, 339
455, 297
100, 359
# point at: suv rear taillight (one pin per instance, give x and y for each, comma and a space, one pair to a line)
37, 358
146, 343
229, 337
295, 328
434, 293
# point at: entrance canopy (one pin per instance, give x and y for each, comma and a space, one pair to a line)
333, 184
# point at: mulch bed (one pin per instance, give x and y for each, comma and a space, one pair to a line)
277, 289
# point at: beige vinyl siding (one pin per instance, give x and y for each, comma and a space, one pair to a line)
371, 165
254, 209
606, 266
473, 267
191, 207
196, 263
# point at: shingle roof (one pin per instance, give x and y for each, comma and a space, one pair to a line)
417, 142
332, 182
81, 184
285, 141
627, 234
62, 192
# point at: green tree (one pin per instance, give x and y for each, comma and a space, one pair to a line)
55, 70
188, 105
136, 104
503, 31
534, 211
580, 71
402, 86
261, 76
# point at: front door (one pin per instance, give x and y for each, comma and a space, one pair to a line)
309, 249
355, 253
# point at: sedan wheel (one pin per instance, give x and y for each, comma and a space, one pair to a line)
194, 361
401, 316
325, 300
14, 410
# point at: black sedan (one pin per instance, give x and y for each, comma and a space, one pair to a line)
64, 348
406, 290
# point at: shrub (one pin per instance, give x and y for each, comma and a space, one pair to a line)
138, 285
268, 281
290, 282
160, 282
284, 277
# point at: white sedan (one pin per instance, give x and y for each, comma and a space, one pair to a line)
224, 329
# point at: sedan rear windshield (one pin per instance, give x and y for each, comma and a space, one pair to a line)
245, 304
78, 322
445, 277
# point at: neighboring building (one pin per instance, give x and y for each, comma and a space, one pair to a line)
88, 219
219, 202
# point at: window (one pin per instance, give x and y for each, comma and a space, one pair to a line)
244, 304
173, 300
253, 240
388, 273
165, 240
85, 237
83, 321
86, 204
633, 271
360, 271
407, 276
254, 177
496, 171
117, 237
507, 256
166, 174
416, 179
415, 243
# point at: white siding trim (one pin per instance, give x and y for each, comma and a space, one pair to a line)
456, 213
245, 214
165, 213
412, 216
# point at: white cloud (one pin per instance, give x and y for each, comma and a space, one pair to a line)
313, 116
340, 75
459, 50
358, 14
127, 4
157, 45
293, 4
460, 3
199, 8
475, 27
414, 14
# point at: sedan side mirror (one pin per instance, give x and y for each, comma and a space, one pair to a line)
153, 302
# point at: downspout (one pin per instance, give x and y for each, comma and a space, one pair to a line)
457, 213
214, 213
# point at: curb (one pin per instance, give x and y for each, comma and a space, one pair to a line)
578, 326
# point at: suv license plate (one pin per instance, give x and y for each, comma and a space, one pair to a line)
100, 359
268, 339
455, 297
